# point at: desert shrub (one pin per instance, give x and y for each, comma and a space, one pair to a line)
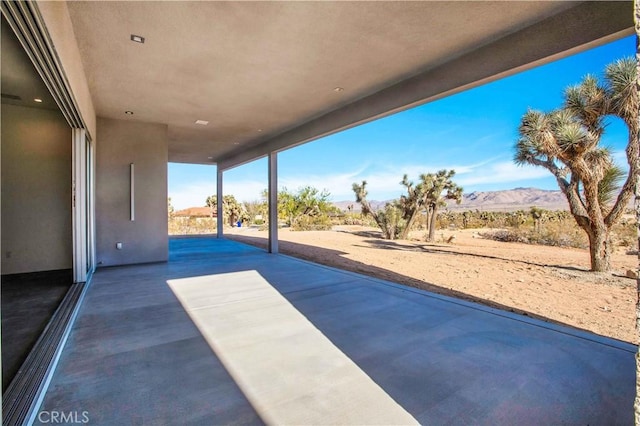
191, 225
557, 236
624, 235
351, 218
505, 236
515, 219
311, 223
445, 220
349, 221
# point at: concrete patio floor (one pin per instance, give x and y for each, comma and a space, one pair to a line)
226, 333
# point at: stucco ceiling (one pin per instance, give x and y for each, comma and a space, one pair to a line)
260, 70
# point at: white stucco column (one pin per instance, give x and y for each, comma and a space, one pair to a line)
219, 210
273, 202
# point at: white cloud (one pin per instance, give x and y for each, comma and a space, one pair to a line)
195, 194
502, 172
383, 182
192, 195
338, 184
620, 158
245, 190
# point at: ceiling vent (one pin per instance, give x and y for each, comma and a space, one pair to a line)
137, 38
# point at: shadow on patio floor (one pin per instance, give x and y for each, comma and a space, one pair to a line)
337, 259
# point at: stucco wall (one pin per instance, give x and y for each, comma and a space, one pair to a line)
121, 143
36, 190
56, 17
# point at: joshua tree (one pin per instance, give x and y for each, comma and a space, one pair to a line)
538, 215
232, 211
212, 202
256, 210
636, 20
398, 216
410, 204
437, 189
170, 209
488, 218
465, 219
566, 142
389, 220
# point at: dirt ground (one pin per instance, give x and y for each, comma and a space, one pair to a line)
548, 283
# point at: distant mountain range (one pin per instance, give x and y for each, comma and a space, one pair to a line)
506, 200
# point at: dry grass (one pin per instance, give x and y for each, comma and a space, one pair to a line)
191, 225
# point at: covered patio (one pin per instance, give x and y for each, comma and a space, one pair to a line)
227, 333
204, 330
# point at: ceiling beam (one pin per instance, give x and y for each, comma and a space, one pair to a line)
584, 26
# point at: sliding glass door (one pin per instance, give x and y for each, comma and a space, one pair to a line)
83, 206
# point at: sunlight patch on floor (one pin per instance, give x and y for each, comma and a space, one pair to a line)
290, 372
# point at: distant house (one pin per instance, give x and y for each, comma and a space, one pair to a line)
195, 212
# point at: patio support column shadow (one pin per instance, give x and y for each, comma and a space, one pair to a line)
273, 202
219, 210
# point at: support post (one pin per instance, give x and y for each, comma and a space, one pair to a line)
273, 202
219, 209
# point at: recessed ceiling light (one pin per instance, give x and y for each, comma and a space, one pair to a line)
210, 158
236, 143
137, 38
38, 100
259, 130
338, 89
202, 122
129, 112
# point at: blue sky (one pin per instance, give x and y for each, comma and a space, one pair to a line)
472, 132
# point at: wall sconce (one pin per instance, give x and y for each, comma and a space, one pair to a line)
132, 178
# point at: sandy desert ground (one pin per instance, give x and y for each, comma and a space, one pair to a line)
549, 283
